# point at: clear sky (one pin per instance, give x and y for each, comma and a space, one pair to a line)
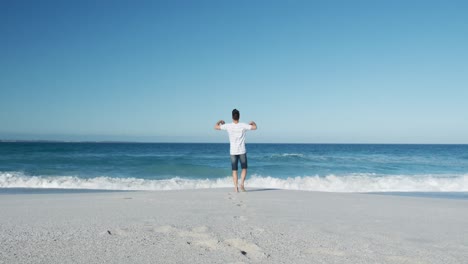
166, 71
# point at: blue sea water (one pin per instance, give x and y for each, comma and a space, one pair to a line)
169, 166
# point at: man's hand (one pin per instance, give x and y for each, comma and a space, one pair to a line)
254, 126
217, 126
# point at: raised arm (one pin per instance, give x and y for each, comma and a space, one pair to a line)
218, 124
254, 126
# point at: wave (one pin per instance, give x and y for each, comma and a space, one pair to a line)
287, 156
17, 180
330, 183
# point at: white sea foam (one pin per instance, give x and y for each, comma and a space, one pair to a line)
367, 183
17, 180
330, 183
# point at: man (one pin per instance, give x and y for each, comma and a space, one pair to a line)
236, 133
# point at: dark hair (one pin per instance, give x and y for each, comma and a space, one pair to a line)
235, 114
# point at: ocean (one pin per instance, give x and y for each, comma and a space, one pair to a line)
374, 168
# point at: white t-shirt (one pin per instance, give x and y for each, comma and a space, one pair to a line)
236, 136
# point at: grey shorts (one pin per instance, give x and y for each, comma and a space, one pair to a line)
235, 160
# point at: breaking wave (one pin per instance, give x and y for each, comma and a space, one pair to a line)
330, 183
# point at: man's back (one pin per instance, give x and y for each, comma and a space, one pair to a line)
236, 133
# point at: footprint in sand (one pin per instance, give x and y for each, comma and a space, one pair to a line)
116, 232
238, 203
250, 250
197, 236
241, 205
231, 197
241, 218
200, 237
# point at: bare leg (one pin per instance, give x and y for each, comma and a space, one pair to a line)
243, 175
234, 178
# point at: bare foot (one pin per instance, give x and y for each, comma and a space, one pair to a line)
242, 188
236, 190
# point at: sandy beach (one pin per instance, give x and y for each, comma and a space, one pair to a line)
219, 226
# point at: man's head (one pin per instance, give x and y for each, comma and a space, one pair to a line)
235, 115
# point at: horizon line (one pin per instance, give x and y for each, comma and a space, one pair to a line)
169, 142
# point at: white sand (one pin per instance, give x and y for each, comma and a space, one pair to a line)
217, 226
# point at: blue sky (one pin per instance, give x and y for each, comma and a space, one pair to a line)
166, 71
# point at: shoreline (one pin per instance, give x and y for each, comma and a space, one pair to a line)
423, 194
219, 226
